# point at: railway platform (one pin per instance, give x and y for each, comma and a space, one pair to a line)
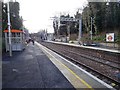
31, 68
103, 48
39, 67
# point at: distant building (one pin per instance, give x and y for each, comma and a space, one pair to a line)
50, 37
42, 35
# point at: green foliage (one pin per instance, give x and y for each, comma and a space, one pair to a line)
117, 39
106, 18
15, 19
99, 38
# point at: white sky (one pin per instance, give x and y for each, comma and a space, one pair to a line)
37, 13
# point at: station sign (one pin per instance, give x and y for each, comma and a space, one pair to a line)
110, 37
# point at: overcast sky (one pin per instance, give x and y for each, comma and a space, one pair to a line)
37, 13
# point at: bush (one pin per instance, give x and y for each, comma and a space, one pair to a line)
99, 38
71, 41
117, 39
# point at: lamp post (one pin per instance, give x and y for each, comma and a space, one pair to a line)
9, 30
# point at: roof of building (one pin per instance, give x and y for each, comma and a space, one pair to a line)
14, 30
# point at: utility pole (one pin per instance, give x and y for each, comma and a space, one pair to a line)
79, 18
9, 30
80, 28
68, 29
91, 28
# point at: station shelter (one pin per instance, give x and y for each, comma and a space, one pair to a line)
17, 40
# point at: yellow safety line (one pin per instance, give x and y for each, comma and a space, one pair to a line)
76, 75
85, 83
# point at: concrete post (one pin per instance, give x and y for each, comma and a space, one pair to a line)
80, 29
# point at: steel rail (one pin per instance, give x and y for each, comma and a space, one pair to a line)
87, 67
94, 59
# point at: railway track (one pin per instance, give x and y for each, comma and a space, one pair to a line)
102, 61
106, 56
105, 68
